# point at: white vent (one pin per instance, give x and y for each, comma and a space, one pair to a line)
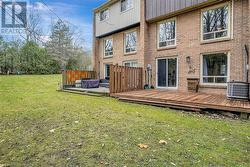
238, 90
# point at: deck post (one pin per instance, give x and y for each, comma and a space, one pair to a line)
64, 78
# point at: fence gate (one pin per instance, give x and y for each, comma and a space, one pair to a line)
124, 79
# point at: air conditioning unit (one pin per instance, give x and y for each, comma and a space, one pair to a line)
238, 90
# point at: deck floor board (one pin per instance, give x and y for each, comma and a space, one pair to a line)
194, 101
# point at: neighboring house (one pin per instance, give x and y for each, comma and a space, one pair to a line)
180, 39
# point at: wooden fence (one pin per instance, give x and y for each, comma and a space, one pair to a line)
70, 76
123, 79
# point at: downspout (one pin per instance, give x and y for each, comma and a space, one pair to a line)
247, 63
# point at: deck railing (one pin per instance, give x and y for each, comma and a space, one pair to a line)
70, 76
123, 79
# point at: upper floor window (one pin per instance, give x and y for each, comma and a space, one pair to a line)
215, 23
104, 15
108, 47
130, 42
126, 5
167, 33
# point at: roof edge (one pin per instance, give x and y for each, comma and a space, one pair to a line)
104, 5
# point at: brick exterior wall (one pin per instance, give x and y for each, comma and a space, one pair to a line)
188, 44
119, 56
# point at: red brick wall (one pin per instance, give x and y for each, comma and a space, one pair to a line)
189, 44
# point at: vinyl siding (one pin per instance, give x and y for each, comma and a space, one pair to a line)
117, 19
158, 8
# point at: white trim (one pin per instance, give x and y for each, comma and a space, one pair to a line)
230, 27
158, 33
108, 38
105, 69
124, 43
228, 54
177, 72
130, 61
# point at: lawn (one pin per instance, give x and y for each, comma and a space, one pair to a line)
42, 127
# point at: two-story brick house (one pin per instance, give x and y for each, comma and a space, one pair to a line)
179, 39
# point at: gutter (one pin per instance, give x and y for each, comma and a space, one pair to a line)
104, 5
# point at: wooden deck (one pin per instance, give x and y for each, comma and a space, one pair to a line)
186, 101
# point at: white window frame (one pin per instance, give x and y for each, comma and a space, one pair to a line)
158, 33
228, 70
104, 47
177, 72
230, 21
131, 7
106, 17
124, 47
105, 71
130, 62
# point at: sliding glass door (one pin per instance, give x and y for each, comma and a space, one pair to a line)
167, 73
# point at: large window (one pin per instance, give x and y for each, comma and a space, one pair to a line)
104, 15
108, 47
167, 33
130, 42
126, 5
215, 68
215, 23
167, 73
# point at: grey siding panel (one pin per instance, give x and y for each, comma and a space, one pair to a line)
157, 8
117, 19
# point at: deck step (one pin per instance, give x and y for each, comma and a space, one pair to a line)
162, 104
85, 93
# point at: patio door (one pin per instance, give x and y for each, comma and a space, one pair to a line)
167, 72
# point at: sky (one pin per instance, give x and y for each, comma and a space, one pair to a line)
78, 13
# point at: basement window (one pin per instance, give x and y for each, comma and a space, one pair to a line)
215, 23
215, 68
126, 5
108, 48
130, 42
104, 15
167, 33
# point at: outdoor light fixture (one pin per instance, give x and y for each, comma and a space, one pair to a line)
188, 59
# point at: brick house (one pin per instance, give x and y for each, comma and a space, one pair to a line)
179, 39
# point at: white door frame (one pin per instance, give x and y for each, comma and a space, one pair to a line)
177, 73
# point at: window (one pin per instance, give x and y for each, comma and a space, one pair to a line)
104, 15
131, 64
215, 68
215, 23
130, 42
167, 73
107, 71
108, 48
167, 33
126, 5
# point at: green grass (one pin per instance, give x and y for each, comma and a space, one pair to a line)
108, 131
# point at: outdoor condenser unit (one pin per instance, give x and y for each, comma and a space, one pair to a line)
238, 90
